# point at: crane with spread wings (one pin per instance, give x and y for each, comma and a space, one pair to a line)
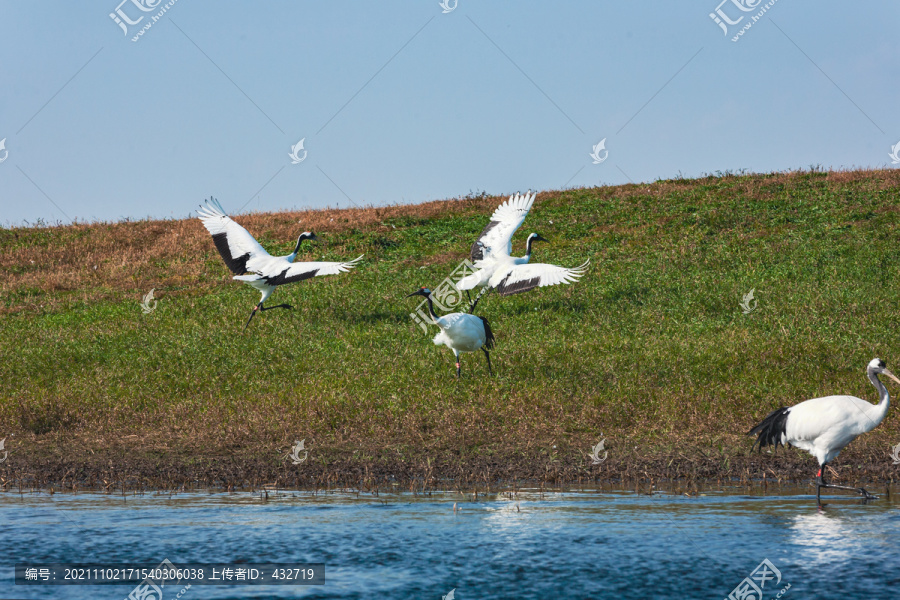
497, 269
254, 266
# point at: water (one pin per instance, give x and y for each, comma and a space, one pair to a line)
575, 544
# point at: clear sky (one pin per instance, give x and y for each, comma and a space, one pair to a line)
400, 102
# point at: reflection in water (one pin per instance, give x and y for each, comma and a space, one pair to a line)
825, 536
841, 533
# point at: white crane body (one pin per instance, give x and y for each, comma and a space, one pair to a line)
460, 332
825, 426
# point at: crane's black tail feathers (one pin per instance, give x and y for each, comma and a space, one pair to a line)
489, 335
771, 430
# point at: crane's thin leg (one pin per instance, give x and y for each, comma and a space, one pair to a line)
253, 314
483, 291
820, 483
458, 370
469, 297
259, 307
866, 495
288, 306
488, 356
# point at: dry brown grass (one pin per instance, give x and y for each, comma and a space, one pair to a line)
96, 261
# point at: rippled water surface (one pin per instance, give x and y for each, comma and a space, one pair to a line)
578, 544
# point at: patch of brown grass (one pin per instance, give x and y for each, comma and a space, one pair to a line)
45, 266
103, 260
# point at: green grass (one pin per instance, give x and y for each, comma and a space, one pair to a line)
651, 347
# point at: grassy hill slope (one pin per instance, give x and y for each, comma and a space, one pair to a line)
651, 350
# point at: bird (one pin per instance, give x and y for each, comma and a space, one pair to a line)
496, 239
461, 332
252, 265
824, 426
497, 269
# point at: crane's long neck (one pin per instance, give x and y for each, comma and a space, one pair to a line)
528, 247
434, 316
290, 257
879, 411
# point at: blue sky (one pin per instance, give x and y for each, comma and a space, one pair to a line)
400, 102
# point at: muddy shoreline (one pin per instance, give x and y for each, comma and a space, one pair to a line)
114, 472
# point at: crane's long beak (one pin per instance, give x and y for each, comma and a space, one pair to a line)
891, 375
416, 293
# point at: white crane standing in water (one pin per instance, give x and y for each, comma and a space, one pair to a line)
824, 426
254, 266
460, 332
497, 269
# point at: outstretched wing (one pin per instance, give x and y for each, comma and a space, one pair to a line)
306, 270
522, 278
496, 237
233, 242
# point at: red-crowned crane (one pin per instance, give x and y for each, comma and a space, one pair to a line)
254, 266
824, 426
460, 332
497, 269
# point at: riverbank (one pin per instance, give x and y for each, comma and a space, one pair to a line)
132, 467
